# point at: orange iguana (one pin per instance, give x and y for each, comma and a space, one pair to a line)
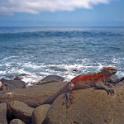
97, 80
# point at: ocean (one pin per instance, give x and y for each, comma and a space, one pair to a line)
36, 52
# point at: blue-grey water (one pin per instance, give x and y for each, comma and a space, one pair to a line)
40, 51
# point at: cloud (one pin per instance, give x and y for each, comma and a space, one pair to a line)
37, 6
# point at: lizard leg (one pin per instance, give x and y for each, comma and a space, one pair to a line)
104, 87
68, 99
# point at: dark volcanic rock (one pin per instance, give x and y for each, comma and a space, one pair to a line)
12, 84
20, 110
1, 86
3, 113
89, 107
51, 79
17, 78
39, 114
34, 96
16, 121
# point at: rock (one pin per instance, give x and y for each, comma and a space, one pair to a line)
16, 121
17, 78
89, 107
1, 85
20, 110
34, 96
51, 79
3, 113
39, 114
13, 84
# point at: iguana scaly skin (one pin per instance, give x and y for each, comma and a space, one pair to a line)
97, 80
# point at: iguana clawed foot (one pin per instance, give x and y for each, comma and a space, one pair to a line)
110, 91
68, 99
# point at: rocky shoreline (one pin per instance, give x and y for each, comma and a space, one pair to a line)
41, 104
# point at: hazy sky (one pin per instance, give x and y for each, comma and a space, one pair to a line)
62, 13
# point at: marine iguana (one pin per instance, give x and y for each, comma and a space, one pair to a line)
98, 80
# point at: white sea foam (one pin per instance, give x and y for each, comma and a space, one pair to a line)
32, 72
8, 58
31, 65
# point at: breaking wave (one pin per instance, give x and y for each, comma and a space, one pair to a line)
32, 72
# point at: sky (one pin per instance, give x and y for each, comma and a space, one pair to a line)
73, 13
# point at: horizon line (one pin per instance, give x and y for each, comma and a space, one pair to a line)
13, 26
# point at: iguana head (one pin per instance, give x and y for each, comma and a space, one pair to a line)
109, 70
